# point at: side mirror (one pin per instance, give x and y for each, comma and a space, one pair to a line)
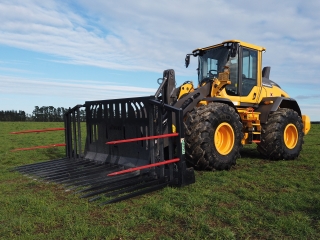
187, 60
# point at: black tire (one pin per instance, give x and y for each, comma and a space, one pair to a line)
275, 144
201, 125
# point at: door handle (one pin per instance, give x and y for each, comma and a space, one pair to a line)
254, 96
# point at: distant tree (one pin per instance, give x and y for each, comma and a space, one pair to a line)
12, 115
39, 114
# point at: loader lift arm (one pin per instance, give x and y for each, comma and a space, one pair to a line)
186, 97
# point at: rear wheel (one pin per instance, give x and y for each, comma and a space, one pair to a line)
213, 136
282, 135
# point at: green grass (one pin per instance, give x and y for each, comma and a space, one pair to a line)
257, 199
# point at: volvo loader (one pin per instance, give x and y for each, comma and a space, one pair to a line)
234, 104
138, 145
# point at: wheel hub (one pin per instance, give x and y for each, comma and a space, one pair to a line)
224, 138
290, 136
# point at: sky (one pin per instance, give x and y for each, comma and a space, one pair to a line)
62, 53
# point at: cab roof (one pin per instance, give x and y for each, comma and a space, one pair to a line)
244, 44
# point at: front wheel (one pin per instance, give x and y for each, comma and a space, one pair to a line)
213, 136
282, 135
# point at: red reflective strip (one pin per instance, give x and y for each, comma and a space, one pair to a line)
144, 167
40, 130
38, 147
143, 138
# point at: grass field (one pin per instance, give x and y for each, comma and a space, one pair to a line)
257, 199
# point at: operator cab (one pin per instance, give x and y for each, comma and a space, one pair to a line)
241, 61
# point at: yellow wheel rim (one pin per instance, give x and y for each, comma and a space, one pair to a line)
290, 136
224, 138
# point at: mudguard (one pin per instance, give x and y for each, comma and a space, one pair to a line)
271, 104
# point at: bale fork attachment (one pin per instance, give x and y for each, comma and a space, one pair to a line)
130, 149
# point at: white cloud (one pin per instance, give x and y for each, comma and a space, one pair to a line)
5, 69
308, 96
155, 35
86, 90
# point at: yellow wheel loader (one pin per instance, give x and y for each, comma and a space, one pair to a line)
138, 145
236, 103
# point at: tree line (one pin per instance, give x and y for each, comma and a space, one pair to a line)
39, 114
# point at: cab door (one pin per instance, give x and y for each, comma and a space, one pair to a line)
249, 84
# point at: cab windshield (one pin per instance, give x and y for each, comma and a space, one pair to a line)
213, 61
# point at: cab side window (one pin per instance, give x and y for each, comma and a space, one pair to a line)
249, 71
232, 89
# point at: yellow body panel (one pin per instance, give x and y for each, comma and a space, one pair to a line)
273, 92
185, 89
306, 124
